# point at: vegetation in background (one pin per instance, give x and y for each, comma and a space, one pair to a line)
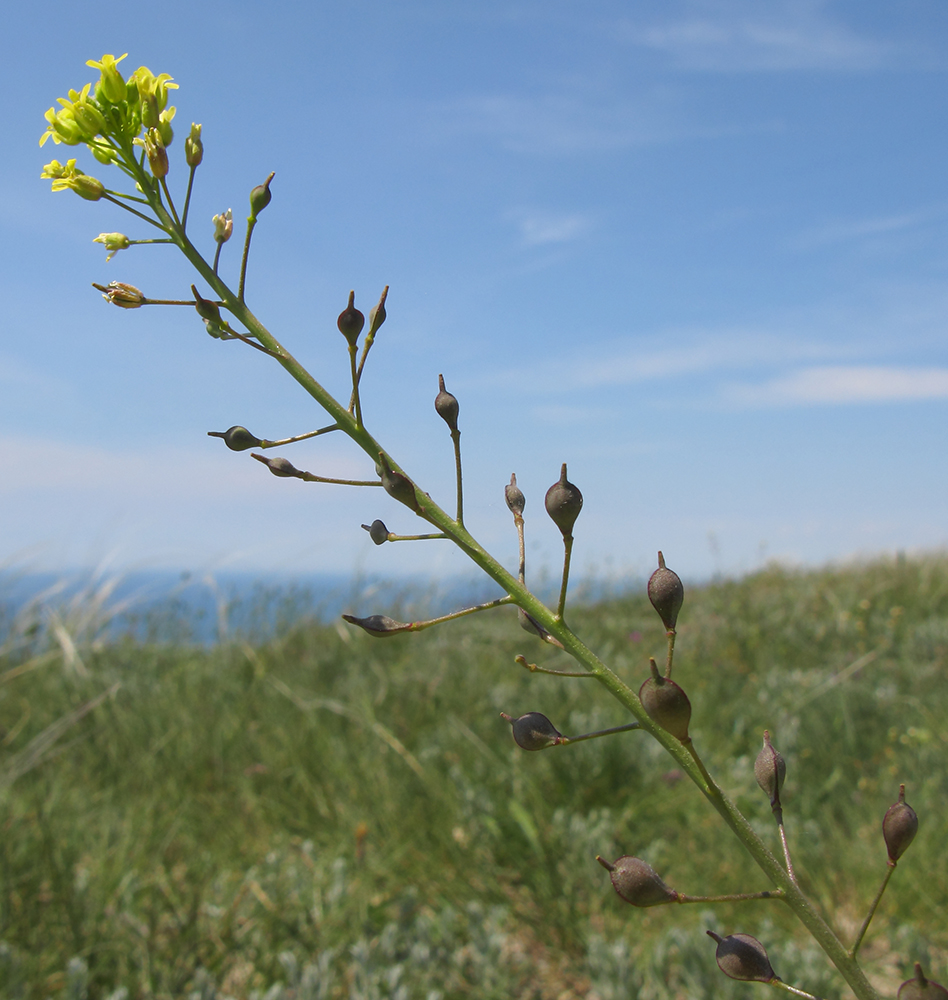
326, 816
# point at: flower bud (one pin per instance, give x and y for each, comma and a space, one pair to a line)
260, 197
666, 704
89, 188
741, 956
920, 988
380, 626
351, 321
236, 438
666, 594
447, 406
193, 147
769, 770
113, 242
377, 313
638, 883
164, 126
377, 532
111, 86
223, 226
899, 827
533, 731
516, 501
563, 503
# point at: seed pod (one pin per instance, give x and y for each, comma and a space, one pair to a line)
516, 501
741, 956
396, 485
533, 731
377, 313
447, 406
638, 883
563, 503
351, 321
769, 770
206, 309
920, 988
260, 197
666, 704
899, 827
666, 594
377, 532
381, 626
236, 438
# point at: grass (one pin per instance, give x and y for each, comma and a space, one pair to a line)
327, 815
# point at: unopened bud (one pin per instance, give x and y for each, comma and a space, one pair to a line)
637, 882
516, 501
533, 731
236, 438
666, 704
193, 147
666, 594
351, 321
741, 956
113, 242
223, 226
447, 406
380, 626
769, 770
260, 197
89, 188
377, 532
920, 988
899, 827
377, 313
563, 503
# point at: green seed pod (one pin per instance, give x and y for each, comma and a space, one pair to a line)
741, 956
351, 321
377, 532
533, 731
638, 883
666, 594
381, 626
377, 313
206, 309
920, 988
447, 406
666, 704
236, 438
280, 466
260, 197
770, 770
396, 485
563, 503
516, 501
899, 827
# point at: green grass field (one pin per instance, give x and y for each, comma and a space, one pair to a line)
330, 815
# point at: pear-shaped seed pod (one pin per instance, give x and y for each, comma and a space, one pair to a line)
920, 988
447, 406
381, 626
667, 705
666, 593
741, 956
377, 531
770, 770
899, 827
516, 501
563, 503
396, 485
533, 731
260, 197
351, 321
236, 438
638, 883
282, 467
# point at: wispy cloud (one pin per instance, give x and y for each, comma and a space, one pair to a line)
844, 384
742, 36
542, 228
850, 230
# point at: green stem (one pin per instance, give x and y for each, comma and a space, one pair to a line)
731, 897
187, 201
872, 912
567, 555
456, 438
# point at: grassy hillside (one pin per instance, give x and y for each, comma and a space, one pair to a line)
329, 815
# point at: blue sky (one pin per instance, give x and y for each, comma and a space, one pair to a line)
696, 250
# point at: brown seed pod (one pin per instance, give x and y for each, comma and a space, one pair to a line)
769, 770
236, 438
563, 503
638, 883
282, 467
666, 593
447, 406
381, 626
741, 956
377, 531
899, 827
351, 321
396, 485
516, 501
666, 704
920, 988
533, 731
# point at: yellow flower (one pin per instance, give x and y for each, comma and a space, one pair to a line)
111, 85
70, 177
113, 242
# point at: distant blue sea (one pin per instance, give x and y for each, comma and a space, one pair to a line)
202, 608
